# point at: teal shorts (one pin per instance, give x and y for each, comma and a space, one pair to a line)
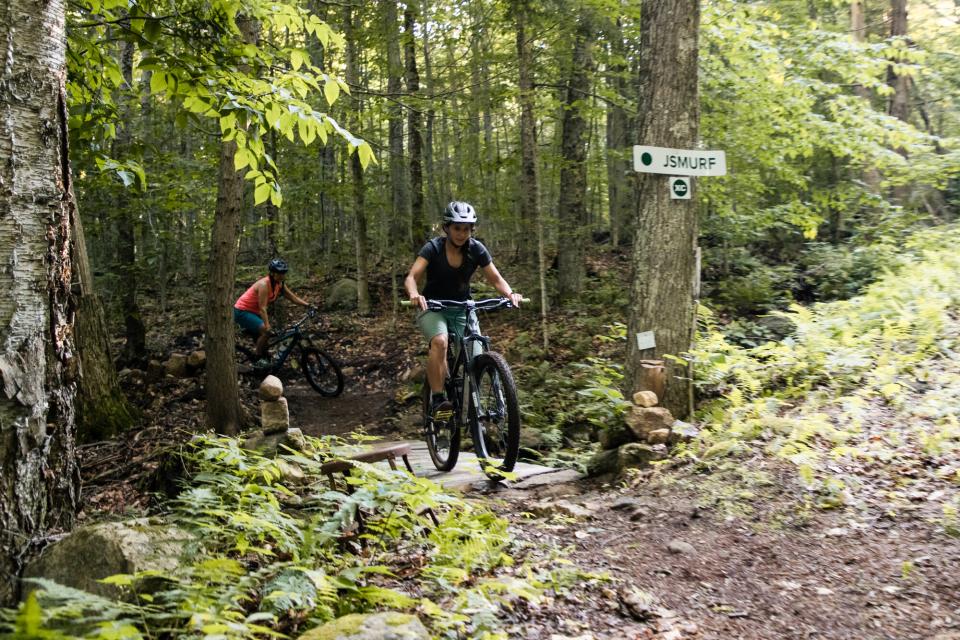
433, 323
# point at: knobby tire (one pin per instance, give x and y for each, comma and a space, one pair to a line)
495, 421
443, 440
322, 372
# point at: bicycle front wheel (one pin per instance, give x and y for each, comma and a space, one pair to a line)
495, 415
322, 372
443, 437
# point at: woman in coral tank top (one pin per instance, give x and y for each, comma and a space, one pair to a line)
250, 309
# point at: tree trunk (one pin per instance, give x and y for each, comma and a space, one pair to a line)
39, 483
356, 170
135, 347
618, 157
418, 218
102, 409
399, 195
224, 414
530, 214
573, 172
665, 234
898, 104
433, 197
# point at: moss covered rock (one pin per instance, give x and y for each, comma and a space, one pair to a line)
389, 625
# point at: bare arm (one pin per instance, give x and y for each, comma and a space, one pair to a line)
417, 270
493, 276
294, 298
263, 299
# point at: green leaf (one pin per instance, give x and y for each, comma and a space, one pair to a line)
331, 91
158, 83
261, 193
297, 58
151, 30
241, 158
366, 154
276, 199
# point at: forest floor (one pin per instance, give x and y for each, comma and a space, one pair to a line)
672, 553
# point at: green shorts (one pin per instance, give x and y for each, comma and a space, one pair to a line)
433, 323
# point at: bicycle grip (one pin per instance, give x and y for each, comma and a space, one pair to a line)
406, 303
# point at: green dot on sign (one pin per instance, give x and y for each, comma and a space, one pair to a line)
646, 159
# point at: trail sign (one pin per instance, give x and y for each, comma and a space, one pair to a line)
679, 162
679, 188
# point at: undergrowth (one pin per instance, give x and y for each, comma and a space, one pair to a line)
871, 383
272, 553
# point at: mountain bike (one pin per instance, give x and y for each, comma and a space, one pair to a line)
480, 386
320, 369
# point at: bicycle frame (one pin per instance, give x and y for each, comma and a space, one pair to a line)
465, 349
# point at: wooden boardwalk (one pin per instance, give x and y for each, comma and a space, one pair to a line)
467, 476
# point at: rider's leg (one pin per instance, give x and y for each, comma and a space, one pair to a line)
262, 339
437, 362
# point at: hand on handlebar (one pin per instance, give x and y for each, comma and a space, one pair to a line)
418, 301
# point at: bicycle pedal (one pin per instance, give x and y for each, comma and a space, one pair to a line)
443, 415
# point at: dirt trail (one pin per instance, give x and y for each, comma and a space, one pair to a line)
776, 573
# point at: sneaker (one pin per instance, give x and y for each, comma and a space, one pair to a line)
441, 411
263, 363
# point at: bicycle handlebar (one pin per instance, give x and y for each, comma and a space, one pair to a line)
486, 305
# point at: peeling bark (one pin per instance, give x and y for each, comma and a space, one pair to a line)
39, 478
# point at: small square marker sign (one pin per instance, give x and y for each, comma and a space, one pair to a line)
680, 188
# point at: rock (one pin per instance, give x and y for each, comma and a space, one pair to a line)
176, 365
342, 295
270, 444
645, 399
637, 456
638, 603
155, 370
292, 473
643, 420
628, 456
197, 360
658, 436
684, 431
681, 547
94, 552
388, 625
615, 434
548, 508
134, 376
534, 439
274, 416
271, 388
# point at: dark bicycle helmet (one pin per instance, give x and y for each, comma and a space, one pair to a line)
278, 266
459, 212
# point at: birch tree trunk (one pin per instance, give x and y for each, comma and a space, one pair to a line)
665, 234
573, 171
39, 478
224, 414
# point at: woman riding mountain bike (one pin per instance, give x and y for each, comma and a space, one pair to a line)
250, 309
448, 262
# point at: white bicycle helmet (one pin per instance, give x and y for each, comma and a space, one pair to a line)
459, 212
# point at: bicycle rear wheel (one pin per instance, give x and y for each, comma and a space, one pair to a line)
322, 372
443, 438
495, 418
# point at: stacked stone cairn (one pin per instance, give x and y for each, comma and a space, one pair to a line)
641, 438
274, 413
